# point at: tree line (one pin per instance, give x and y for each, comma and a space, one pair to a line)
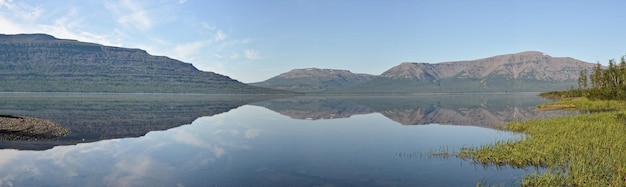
601, 83
604, 83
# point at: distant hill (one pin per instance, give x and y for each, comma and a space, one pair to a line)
314, 80
521, 72
43, 63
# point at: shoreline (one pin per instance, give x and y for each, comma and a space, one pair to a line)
26, 128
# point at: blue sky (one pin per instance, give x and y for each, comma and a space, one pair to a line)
254, 40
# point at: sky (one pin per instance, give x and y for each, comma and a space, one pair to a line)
253, 40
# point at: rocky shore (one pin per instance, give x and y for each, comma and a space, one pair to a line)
25, 128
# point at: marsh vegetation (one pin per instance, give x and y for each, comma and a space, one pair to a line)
588, 149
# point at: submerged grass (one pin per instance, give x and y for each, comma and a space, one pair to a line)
583, 150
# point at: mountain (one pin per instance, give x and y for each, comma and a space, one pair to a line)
520, 72
43, 63
314, 80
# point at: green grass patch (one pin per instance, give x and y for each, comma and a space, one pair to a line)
582, 150
584, 104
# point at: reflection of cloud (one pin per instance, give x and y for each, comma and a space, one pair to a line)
189, 139
159, 157
252, 133
129, 171
7, 181
218, 151
232, 132
8, 155
62, 158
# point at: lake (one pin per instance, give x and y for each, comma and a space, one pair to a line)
243, 140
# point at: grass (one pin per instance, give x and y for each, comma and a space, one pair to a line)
584, 104
583, 150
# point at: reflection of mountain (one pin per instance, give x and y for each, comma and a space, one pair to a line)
464, 116
93, 117
315, 107
486, 110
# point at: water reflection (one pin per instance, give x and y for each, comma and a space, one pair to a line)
143, 140
485, 110
94, 117
252, 146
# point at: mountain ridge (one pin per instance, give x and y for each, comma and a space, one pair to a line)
314, 80
481, 68
43, 63
529, 71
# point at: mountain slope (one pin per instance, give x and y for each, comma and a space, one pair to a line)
42, 63
314, 80
527, 71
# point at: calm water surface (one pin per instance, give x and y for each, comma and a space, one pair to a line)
366, 143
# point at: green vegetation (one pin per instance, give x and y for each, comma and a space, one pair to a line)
584, 104
582, 150
128, 84
42, 63
384, 85
588, 149
605, 84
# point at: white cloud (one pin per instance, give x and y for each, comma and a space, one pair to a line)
9, 27
234, 56
252, 54
187, 51
131, 24
206, 26
182, 1
24, 13
6, 3
31, 13
220, 36
18, 18
131, 14
68, 26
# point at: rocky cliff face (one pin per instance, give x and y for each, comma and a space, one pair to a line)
313, 79
39, 62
